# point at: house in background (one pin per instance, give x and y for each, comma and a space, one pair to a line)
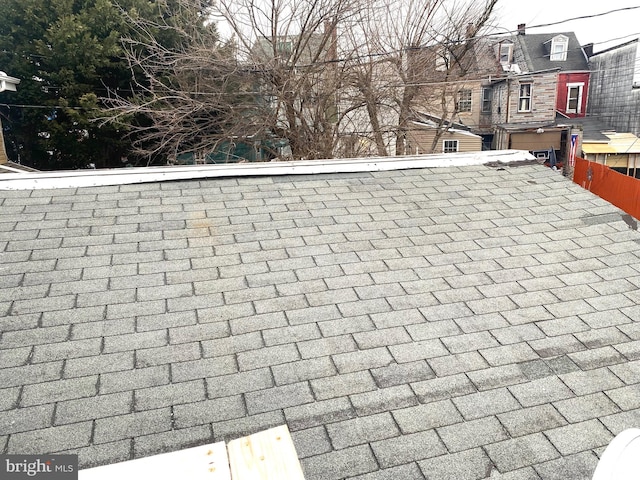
524, 112
544, 75
457, 97
621, 152
614, 92
559, 51
428, 135
610, 130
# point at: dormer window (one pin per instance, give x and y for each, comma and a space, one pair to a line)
506, 53
559, 47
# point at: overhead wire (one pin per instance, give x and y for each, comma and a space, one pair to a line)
635, 69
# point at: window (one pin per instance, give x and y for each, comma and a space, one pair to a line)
450, 146
506, 50
524, 99
464, 101
574, 97
559, 47
487, 97
284, 48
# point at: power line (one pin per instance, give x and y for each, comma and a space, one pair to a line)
387, 53
46, 107
584, 17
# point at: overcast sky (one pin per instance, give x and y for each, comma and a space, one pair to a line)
600, 30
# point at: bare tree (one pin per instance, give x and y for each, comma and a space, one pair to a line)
294, 46
190, 94
428, 48
327, 77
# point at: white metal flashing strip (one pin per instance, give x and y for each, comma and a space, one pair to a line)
10, 169
124, 176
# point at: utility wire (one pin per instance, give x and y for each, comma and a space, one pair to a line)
584, 17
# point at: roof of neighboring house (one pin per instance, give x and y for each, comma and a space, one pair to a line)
430, 125
597, 148
593, 129
532, 53
630, 43
624, 142
458, 322
471, 61
427, 120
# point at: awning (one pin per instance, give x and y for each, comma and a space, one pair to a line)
624, 142
598, 148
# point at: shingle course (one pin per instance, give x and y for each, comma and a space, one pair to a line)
403, 324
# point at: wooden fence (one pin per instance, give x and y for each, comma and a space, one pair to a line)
616, 188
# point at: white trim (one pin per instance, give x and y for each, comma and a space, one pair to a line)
126, 176
450, 129
561, 56
580, 87
483, 100
509, 47
444, 145
11, 169
8, 83
529, 97
469, 101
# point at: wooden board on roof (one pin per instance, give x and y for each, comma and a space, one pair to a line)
267, 455
205, 462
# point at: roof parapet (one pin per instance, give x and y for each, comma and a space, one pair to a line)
126, 176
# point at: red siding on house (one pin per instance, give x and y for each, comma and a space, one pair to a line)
564, 80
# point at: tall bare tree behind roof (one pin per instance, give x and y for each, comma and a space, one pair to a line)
328, 77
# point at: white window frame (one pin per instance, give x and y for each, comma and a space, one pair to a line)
525, 97
505, 53
580, 88
559, 48
453, 147
463, 105
487, 100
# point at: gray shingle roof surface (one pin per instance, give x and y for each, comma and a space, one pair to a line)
435, 323
538, 56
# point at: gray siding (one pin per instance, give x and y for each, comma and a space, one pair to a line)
612, 97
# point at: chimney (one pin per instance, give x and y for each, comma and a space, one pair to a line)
332, 30
588, 49
521, 28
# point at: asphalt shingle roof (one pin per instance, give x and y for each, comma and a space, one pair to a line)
536, 49
441, 323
